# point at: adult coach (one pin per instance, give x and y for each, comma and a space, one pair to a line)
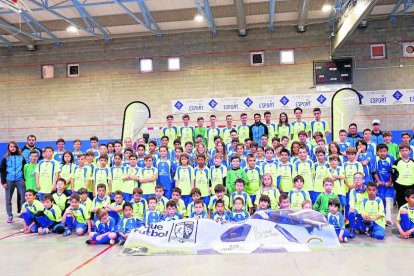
258, 129
353, 136
11, 169
30, 145
376, 132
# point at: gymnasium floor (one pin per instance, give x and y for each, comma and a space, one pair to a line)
55, 255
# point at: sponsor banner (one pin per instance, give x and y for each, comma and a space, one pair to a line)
266, 232
288, 101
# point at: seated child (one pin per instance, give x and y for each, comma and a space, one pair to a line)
239, 185
297, 195
180, 204
356, 197
405, 219
264, 203
373, 213
29, 209
322, 201
238, 214
284, 201
60, 196
199, 211
172, 213
219, 191
337, 220
85, 201
126, 223
115, 208
161, 199
76, 217
50, 218
105, 229
220, 215
152, 214
307, 204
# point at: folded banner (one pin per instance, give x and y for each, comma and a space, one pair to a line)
266, 232
288, 101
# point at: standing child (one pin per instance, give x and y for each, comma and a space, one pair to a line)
102, 175
351, 167
304, 167
373, 213
269, 190
77, 144
82, 175
148, 177
85, 201
130, 178
240, 193
297, 195
336, 219
164, 167
29, 209
320, 172
46, 173
285, 172
393, 149
195, 194
76, 217
238, 215
338, 175
269, 166
343, 143
220, 215
403, 174
199, 210
184, 178
366, 158
126, 223
322, 202
100, 201
105, 229
117, 173
29, 171
152, 214
217, 173
405, 218
67, 167
172, 213
253, 175
202, 179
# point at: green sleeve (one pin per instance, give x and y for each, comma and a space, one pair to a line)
317, 204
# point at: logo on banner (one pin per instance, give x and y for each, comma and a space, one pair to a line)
321, 99
178, 105
183, 231
248, 102
397, 95
284, 100
212, 103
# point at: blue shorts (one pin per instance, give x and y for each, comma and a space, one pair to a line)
78, 225
384, 192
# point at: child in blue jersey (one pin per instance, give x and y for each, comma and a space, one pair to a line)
76, 217
165, 169
199, 210
264, 203
336, 219
94, 145
105, 229
343, 143
366, 158
140, 156
152, 214
405, 218
115, 208
29, 209
373, 213
172, 213
126, 224
220, 215
49, 218
238, 215
161, 199
100, 201
77, 144
383, 177
240, 193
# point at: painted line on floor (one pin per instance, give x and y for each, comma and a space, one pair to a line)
10, 235
378, 246
39, 242
90, 260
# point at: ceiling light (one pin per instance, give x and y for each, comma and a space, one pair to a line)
72, 29
198, 18
327, 6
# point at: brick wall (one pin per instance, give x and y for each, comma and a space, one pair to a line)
93, 104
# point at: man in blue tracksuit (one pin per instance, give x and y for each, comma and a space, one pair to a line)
258, 129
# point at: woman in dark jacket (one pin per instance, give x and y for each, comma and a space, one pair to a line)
11, 170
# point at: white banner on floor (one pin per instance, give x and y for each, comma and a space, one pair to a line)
288, 101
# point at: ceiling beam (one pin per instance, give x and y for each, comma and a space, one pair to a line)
303, 16
241, 16
272, 10
205, 11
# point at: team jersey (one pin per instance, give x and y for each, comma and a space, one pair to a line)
272, 193
139, 208
165, 170
393, 150
100, 202
92, 167
60, 200
185, 177
66, 172
54, 213
339, 184
186, 134
404, 171
75, 156
254, 177
239, 216
320, 172
117, 174
181, 208
87, 205
219, 218
151, 217
203, 215
81, 175
322, 202
373, 208
372, 148
210, 134
217, 176
409, 210
270, 167
140, 162
80, 214
35, 207
190, 208
305, 169
161, 204
126, 225
29, 172
213, 200
337, 221
369, 168
285, 176
202, 180
200, 131
243, 132
58, 156
176, 216
350, 169
343, 146
283, 130
383, 168
247, 201
172, 133
102, 228
148, 187
129, 185
296, 197
315, 126
232, 176
120, 212
47, 171
296, 127
356, 197
225, 134
102, 176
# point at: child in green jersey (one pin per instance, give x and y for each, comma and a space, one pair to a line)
29, 171
322, 202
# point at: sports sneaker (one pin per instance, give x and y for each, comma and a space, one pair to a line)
345, 239
112, 242
122, 242
352, 233
90, 242
67, 233
9, 219
389, 223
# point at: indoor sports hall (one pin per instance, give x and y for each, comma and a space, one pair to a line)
206, 136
